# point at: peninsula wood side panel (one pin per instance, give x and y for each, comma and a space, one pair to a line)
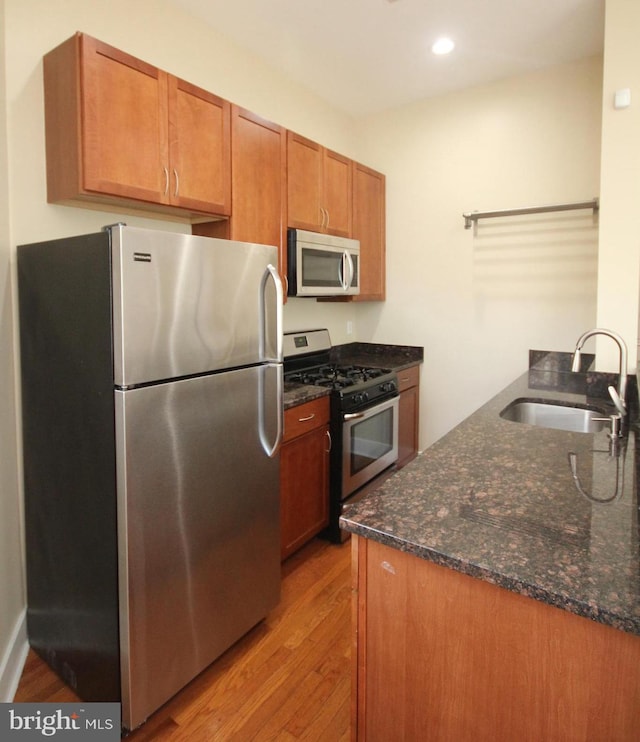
442, 656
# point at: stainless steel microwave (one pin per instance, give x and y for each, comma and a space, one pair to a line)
321, 264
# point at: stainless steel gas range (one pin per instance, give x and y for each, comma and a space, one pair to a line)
364, 415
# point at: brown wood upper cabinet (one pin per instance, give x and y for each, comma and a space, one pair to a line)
369, 226
319, 187
119, 130
258, 147
258, 179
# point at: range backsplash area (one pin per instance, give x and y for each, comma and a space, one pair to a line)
377, 354
337, 317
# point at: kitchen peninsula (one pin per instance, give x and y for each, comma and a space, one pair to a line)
496, 591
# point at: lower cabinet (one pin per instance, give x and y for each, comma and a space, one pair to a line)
409, 412
304, 474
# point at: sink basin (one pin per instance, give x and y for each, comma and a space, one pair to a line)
548, 414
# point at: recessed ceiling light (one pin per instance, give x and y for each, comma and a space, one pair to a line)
443, 45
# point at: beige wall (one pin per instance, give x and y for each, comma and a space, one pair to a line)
477, 300
11, 571
619, 248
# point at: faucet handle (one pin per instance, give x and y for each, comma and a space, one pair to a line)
619, 403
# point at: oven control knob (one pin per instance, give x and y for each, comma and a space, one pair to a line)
360, 397
388, 386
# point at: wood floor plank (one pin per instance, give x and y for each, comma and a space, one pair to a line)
295, 706
277, 688
328, 724
287, 680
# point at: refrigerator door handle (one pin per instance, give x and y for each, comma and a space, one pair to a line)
266, 347
265, 398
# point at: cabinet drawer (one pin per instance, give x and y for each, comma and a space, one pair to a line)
305, 417
408, 377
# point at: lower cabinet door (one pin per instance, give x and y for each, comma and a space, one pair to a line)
409, 408
304, 488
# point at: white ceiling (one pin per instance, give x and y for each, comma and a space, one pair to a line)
364, 56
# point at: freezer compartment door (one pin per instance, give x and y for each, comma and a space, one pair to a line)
198, 526
184, 305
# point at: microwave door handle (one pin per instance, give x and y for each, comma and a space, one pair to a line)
351, 269
344, 281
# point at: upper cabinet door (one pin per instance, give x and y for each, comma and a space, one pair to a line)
258, 186
199, 148
124, 120
369, 226
337, 193
259, 203
304, 183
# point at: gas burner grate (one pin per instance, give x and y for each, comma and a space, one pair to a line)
336, 377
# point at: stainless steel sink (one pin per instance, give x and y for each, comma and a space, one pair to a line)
549, 414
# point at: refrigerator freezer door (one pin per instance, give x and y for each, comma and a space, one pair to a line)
198, 526
184, 305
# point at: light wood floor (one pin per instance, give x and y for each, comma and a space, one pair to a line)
287, 680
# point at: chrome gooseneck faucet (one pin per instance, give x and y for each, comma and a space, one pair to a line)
618, 397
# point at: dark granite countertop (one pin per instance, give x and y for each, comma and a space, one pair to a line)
497, 500
395, 357
297, 394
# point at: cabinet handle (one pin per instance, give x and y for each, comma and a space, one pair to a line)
166, 180
328, 434
175, 173
326, 211
306, 419
406, 378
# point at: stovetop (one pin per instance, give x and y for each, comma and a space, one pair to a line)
336, 377
353, 387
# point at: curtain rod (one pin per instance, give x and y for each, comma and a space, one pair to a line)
473, 216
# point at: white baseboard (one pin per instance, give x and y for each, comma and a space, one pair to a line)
12, 663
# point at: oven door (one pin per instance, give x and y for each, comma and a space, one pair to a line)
369, 444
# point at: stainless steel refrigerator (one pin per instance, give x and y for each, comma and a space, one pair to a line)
152, 418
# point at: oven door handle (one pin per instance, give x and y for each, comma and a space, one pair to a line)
353, 415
